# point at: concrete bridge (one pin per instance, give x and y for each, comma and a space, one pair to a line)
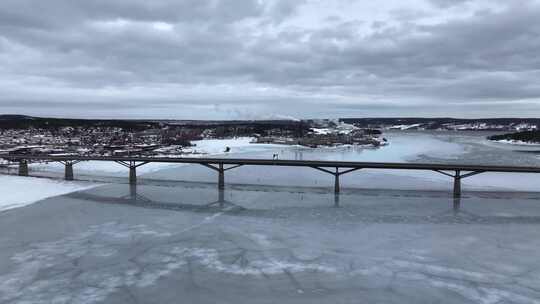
221, 165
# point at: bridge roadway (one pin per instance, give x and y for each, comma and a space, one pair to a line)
335, 168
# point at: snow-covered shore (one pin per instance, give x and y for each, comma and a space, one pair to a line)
21, 191
516, 142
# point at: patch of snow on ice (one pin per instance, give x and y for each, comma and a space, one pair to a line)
236, 145
21, 191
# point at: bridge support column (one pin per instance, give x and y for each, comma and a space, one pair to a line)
68, 171
336, 181
23, 167
457, 184
221, 177
221, 172
132, 175
336, 175
68, 174
457, 179
132, 166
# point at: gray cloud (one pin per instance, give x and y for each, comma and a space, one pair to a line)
181, 58
448, 3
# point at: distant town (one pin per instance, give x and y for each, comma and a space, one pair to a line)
52, 136
55, 136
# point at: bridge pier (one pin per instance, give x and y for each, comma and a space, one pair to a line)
221, 172
457, 184
221, 177
132, 175
68, 168
68, 174
132, 166
23, 167
336, 182
336, 175
457, 176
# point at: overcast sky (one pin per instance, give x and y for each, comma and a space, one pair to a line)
249, 59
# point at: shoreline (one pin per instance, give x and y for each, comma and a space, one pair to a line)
515, 142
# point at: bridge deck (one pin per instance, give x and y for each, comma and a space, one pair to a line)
289, 163
218, 164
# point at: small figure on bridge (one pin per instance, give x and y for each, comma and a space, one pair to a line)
227, 149
275, 156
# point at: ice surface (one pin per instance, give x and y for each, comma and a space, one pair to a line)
114, 245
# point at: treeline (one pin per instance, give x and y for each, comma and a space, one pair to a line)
219, 128
525, 136
27, 122
436, 122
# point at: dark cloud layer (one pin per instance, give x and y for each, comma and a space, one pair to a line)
251, 58
448, 3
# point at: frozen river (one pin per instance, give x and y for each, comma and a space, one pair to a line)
279, 235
